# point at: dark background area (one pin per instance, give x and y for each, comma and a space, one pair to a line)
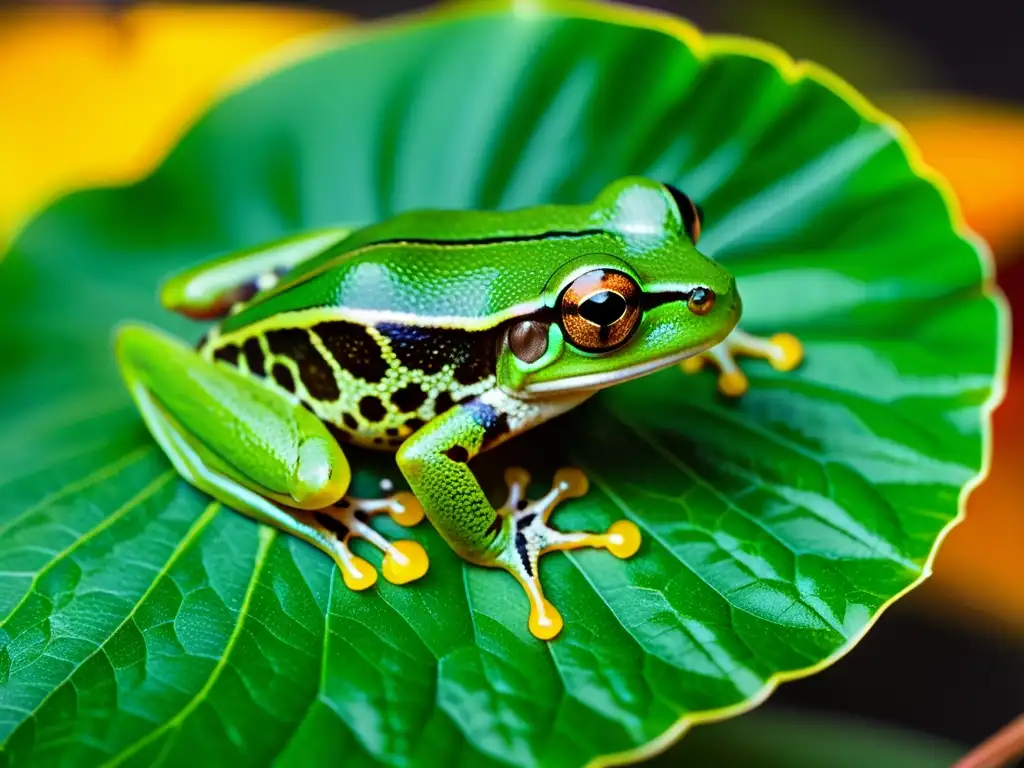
974, 48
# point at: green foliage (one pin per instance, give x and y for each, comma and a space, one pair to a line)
139, 623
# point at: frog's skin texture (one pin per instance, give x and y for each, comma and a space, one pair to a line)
439, 335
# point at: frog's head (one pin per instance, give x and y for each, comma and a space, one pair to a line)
648, 303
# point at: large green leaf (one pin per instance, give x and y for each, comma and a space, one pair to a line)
142, 624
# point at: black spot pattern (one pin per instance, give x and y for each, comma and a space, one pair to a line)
525, 520
392, 431
350, 421
409, 398
372, 409
442, 403
524, 554
254, 356
458, 454
471, 353
481, 362
316, 374
354, 349
228, 353
336, 527
414, 424
283, 377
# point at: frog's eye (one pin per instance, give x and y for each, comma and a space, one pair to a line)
600, 309
690, 212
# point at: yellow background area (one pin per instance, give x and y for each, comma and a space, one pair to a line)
94, 98
97, 98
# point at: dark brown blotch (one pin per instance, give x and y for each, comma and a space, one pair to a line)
229, 354
350, 421
372, 409
283, 377
354, 349
254, 356
408, 398
457, 454
443, 402
317, 376
336, 527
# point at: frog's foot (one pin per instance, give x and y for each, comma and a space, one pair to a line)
530, 536
783, 351
404, 561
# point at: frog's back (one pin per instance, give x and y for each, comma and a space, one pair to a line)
441, 267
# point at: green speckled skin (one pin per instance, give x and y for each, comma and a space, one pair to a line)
377, 268
403, 335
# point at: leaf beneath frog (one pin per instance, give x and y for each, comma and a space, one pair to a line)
143, 624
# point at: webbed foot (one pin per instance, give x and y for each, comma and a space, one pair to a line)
783, 351
404, 561
530, 537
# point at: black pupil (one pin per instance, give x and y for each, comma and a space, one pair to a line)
603, 308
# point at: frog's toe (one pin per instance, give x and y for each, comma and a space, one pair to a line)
783, 351
530, 537
733, 383
404, 561
695, 364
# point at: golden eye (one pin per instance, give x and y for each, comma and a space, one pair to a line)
701, 301
600, 309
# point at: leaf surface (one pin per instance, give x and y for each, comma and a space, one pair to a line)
140, 624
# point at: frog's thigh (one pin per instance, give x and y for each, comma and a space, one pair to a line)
259, 453
211, 289
783, 351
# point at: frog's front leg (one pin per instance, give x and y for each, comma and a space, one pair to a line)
261, 454
435, 462
783, 351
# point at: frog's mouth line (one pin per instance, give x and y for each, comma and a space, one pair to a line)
595, 381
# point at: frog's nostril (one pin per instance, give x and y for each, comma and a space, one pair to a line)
701, 300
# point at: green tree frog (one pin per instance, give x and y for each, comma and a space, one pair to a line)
436, 335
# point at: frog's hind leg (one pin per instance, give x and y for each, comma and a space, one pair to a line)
214, 288
260, 453
783, 351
